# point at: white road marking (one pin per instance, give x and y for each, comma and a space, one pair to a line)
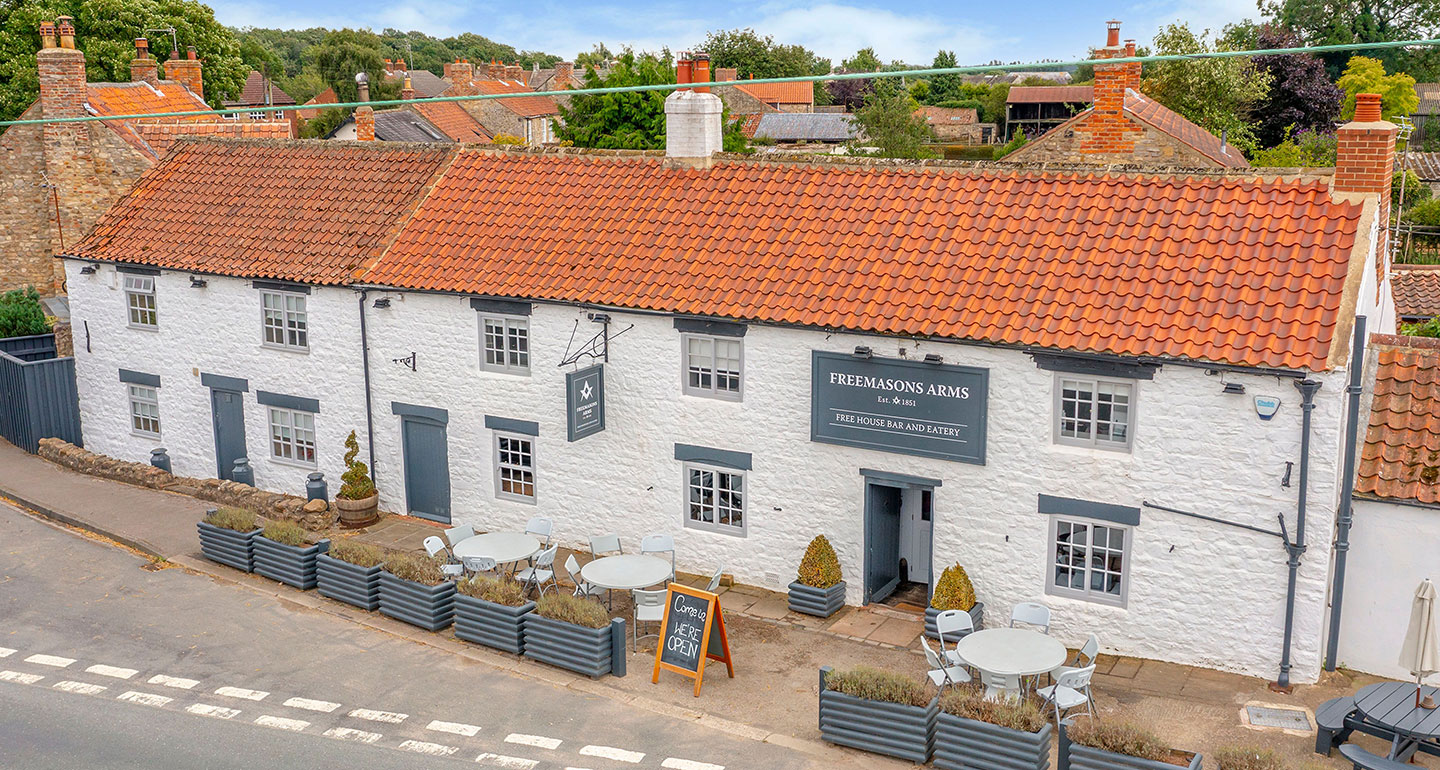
84, 688
458, 728
174, 681
433, 749
206, 710
6, 652
50, 660
538, 741
145, 698
16, 676
390, 717
312, 705
351, 734
689, 764
241, 692
610, 752
500, 760
115, 671
282, 723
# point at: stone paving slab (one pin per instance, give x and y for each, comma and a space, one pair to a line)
857, 624
896, 631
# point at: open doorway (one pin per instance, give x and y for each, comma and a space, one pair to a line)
898, 522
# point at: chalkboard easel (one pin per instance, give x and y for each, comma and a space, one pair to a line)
692, 632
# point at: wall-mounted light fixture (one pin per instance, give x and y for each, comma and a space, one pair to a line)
382, 302
197, 282
863, 351
934, 358
89, 270
600, 318
1234, 388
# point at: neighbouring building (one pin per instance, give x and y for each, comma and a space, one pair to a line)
960, 124
1426, 113
1016, 78
1417, 292
260, 91
419, 122
524, 115
319, 102
424, 83
56, 179
800, 127
1426, 166
1037, 109
1089, 387
762, 97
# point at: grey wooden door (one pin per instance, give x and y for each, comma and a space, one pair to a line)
227, 410
882, 541
427, 468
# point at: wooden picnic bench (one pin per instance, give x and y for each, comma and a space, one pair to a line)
1338, 718
1364, 760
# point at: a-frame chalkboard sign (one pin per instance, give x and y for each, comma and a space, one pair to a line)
692, 632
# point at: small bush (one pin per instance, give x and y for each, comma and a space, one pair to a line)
970, 703
876, 684
821, 567
237, 519
285, 532
1248, 758
416, 568
357, 553
573, 609
1118, 738
356, 483
509, 139
503, 590
1019, 141
21, 314
954, 591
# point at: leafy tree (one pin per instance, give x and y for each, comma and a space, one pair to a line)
864, 60
321, 125
920, 91
595, 57
303, 86
944, 88
992, 103
21, 314
1301, 94
1364, 75
288, 45
1219, 95
751, 54
345, 52
1425, 214
1019, 141
890, 124
1337, 22
630, 121
1303, 149
852, 93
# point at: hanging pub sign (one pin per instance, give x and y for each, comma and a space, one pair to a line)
897, 405
584, 402
692, 632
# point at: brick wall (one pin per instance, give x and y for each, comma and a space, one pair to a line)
186, 72
1076, 144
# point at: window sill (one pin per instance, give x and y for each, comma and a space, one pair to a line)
714, 529
1076, 450
144, 327
514, 498
510, 371
146, 436
284, 348
293, 463
737, 398
1060, 593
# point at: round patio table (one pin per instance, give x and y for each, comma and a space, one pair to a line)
503, 547
1392, 705
626, 571
1012, 651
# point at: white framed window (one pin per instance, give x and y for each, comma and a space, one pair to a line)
715, 499
1089, 560
140, 301
144, 411
292, 436
712, 366
515, 467
259, 115
286, 323
1094, 412
505, 343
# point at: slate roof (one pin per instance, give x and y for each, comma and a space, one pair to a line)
1401, 456
401, 125
1051, 95
254, 93
806, 127
780, 93
1426, 165
427, 84
1416, 289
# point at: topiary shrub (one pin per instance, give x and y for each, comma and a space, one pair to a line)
1248, 758
969, 702
21, 314
503, 590
954, 591
821, 567
879, 685
573, 609
237, 519
359, 554
1118, 738
416, 568
285, 532
356, 482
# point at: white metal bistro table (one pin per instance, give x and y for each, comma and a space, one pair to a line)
503, 547
626, 571
1012, 651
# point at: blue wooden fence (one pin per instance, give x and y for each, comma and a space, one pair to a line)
35, 348
37, 393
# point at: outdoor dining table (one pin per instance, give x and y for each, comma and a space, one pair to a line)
1391, 705
1012, 651
626, 571
503, 547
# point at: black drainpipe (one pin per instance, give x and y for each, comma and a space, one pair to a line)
369, 412
1296, 547
1347, 491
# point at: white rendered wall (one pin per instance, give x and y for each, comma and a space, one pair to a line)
1392, 548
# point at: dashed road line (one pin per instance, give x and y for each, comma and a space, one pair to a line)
433, 749
174, 681
281, 723
458, 728
389, 717
241, 692
312, 705
50, 660
84, 688
610, 752
351, 734
538, 741
6, 652
115, 671
689, 764
16, 676
511, 763
145, 698
206, 710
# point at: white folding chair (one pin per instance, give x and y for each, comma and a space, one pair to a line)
435, 546
477, 564
453, 571
542, 575
604, 545
941, 673
541, 528
649, 608
952, 626
1031, 613
455, 534
572, 570
660, 544
999, 686
1084, 657
1071, 690
715, 580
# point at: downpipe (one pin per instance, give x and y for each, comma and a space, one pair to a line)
369, 411
1346, 516
1296, 548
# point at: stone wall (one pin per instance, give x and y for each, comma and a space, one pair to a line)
1078, 144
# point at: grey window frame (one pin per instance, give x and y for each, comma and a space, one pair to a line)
131, 400
131, 294
1058, 416
532, 441
293, 442
687, 467
1087, 593
286, 321
507, 322
712, 392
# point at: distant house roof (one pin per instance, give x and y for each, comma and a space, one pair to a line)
453, 121
320, 100
806, 127
748, 123
1051, 95
140, 97
1416, 289
952, 116
401, 125
1015, 78
524, 106
1401, 457
1429, 94
427, 83
780, 93
1163, 118
253, 95
1426, 165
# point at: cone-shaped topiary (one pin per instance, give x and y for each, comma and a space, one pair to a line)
357, 483
954, 591
821, 567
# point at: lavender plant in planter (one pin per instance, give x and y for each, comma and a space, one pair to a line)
818, 588
953, 591
878, 711
575, 634
413, 589
491, 612
1088, 744
973, 733
282, 554
227, 536
350, 572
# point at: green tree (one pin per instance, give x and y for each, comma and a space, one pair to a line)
344, 53
631, 121
21, 314
1219, 95
1337, 22
864, 60
944, 88
595, 57
1364, 75
890, 124
751, 54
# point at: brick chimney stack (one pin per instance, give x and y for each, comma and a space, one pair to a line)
186, 71
1133, 69
723, 74
564, 75
407, 92
144, 67
1111, 80
1365, 156
515, 73
62, 74
364, 116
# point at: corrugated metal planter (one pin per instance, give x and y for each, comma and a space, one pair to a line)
429, 607
593, 652
821, 602
977, 617
893, 729
228, 547
966, 744
290, 564
491, 624
1073, 756
349, 583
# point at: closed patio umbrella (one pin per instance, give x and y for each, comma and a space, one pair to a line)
1420, 655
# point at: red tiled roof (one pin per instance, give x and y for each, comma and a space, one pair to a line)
153, 136
957, 116
780, 93
453, 121
1401, 457
748, 124
524, 106
1163, 118
1247, 272
253, 95
320, 100
299, 211
1051, 94
1416, 289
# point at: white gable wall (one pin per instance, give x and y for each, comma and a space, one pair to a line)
1392, 548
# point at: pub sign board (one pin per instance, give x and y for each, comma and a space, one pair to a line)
584, 402
897, 405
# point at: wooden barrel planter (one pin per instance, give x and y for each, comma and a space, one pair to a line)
969, 744
228, 547
429, 607
349, 583
1073, 756
290, 564
593, 652
820, 602
893, 729
977, 617
491, 624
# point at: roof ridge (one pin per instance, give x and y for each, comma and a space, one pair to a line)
402, 221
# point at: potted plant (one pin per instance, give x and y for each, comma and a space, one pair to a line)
880, 711
350, 572
953, 591
818, 588
491, 611
1003, 734
576, 634
413, 589
227, 536
1089, 744
357, 500
282, 554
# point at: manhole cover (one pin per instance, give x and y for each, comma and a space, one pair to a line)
1285, 719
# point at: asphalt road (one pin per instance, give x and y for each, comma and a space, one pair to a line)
104, 664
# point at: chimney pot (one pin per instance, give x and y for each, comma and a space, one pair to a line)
406, 91
682, 73
190, 53
66, 27
700, 71
1112, 34
142, 47
143, 68
1367, 108
47, 35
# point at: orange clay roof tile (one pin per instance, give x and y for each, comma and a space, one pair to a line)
780, 93
524, 106
1417, 290
1401, 456
453, 121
